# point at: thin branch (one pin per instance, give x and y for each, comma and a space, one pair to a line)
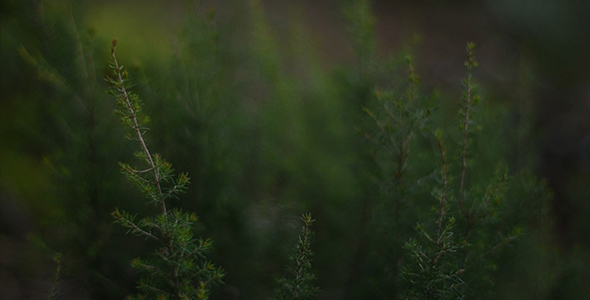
443, 195
154, 268
170, 192
127, 223
468, 102
135, 125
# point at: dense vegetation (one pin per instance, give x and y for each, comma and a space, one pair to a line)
415, 193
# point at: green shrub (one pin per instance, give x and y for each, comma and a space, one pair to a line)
451, 247
265, 135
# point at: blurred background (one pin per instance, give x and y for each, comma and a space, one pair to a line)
261, 103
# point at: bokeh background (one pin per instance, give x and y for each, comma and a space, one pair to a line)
260, 102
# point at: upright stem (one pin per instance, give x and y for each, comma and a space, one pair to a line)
136, 128
132, 113
469, 64
464, 143
443, 195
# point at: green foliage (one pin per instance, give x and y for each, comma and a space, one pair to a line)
399, 118
434, 272
177, 269
299, 283
450, 256
57, 136
265, 130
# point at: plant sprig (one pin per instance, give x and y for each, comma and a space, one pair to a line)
177, 269
298, 284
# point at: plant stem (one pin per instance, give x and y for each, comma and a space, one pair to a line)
443, 193
469, 64
136, 127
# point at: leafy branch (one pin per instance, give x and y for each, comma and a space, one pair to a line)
177, 269
298, 285
445, 265
470, 99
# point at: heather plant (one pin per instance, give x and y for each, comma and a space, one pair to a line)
299, 283
432, 272
450, 258
404, 213
450, 249
401, 119
177, 269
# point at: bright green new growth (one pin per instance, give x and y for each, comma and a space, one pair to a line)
299, 283
178, 269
